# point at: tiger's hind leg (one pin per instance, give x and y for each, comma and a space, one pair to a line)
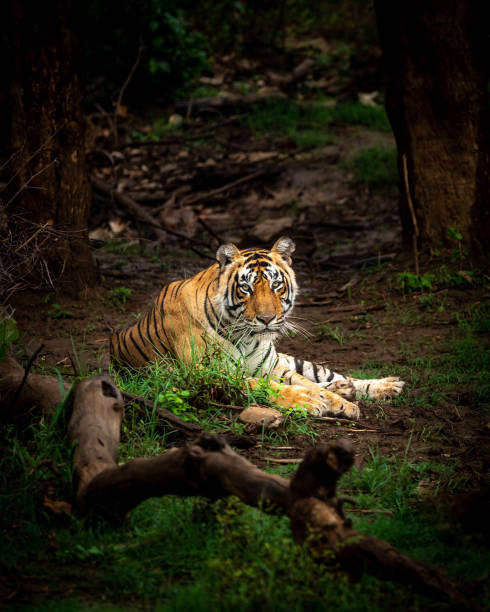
345, 386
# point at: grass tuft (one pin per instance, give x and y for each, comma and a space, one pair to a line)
375, 167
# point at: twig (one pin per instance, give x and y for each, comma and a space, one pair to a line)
188, 428
361, 430
274, 460
245, 179
123, 89
26, 184
210, 230
363, 511
24, 378
228, 406
332, 419
39, 229
415, 234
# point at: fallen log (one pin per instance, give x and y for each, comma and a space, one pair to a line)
20, 394
209, 467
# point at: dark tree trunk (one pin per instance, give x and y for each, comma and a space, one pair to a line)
51, 186
437, 58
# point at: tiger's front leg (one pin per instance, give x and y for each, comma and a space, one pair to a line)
299, 391
347, 387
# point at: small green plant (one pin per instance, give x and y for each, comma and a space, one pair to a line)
408, 282
458, 254
119, 296
328, 331
176, 401
8, 334
57, 312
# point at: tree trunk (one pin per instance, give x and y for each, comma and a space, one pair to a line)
51, 188
436, 54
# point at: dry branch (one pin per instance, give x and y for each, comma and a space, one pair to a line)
140, 213
203, 197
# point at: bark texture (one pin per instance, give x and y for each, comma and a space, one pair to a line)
51, 186
436, 55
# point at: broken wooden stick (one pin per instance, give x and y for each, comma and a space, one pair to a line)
140, 213
22, 391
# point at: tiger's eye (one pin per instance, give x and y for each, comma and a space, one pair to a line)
275, 284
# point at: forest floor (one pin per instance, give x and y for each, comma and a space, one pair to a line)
325, 177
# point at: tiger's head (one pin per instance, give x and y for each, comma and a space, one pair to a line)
256, 288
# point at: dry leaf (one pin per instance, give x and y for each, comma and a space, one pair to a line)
57, 506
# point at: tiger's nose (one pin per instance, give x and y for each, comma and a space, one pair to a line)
265, 318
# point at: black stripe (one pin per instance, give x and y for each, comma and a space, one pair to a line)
263, 360
124, 344
315, 372
155, 327
178, 288
161, 298
298, 364
140, 351
142, 336
330, 376
285, 371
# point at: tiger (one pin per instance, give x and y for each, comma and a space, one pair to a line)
244, 303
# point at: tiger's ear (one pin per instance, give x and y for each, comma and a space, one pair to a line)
226, 254
285, 247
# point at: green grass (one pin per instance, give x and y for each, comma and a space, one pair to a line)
375, 167
180, 554
355, 113
309, 123
459, 369
197, 391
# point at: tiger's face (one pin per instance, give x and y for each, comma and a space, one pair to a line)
257, 288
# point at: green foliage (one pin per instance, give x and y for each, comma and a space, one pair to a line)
375, 167
409, 282
306, 124
172, 53
57, 312
328, 331
8, 334
356, 113
119, 297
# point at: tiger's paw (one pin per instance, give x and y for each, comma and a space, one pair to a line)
318, 403
344, 388
381, 388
